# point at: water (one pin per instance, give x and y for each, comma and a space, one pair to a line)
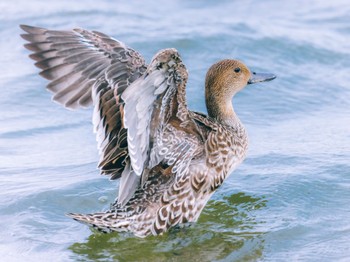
289, 201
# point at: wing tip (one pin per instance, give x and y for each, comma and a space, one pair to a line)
32, 29
25, 37
25, 28
46, 75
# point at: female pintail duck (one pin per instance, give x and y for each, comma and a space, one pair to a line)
169, 159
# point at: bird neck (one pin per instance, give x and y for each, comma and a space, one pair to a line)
220, 107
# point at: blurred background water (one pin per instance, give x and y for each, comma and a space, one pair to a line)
289, 201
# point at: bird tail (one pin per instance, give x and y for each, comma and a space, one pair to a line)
104, 222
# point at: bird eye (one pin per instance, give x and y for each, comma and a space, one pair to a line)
237, 70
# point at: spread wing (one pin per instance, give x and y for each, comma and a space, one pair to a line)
138, 115
147, 103
74, 60
157, 118
87, 67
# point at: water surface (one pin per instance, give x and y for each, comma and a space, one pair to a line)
289, 201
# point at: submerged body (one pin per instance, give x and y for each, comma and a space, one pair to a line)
169, 160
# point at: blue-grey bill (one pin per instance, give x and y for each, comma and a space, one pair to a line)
260, 77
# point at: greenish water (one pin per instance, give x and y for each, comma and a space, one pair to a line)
289, 201
226, 225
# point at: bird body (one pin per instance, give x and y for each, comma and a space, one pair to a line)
169, 159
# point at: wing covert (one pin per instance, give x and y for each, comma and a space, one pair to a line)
150, 102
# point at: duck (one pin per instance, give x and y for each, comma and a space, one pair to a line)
168, 159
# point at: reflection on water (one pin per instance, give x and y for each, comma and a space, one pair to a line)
224, 227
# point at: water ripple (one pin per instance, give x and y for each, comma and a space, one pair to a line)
288, 201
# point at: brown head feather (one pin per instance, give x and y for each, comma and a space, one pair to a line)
223, 80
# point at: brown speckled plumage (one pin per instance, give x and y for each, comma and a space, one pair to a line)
169, 160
